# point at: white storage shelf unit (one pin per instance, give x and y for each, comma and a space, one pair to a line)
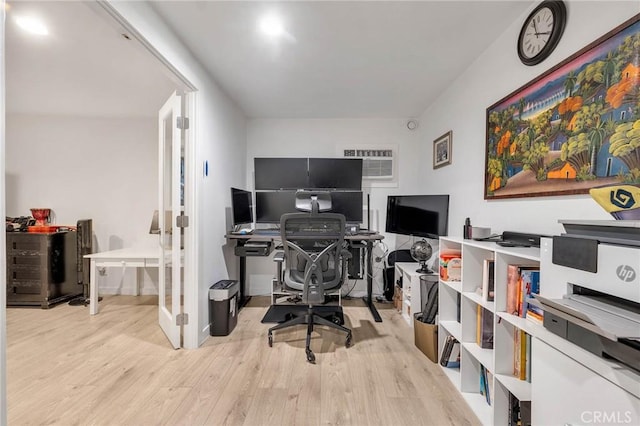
411, 298
499, 360
569, 385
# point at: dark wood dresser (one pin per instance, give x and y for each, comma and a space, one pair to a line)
41, 268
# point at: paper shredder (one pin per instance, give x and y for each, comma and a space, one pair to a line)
223, 307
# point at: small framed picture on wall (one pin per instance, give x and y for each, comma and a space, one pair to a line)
442, 150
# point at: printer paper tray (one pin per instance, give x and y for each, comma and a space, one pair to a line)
594, 316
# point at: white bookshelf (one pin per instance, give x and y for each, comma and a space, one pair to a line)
499, 360
411, 297
560, 370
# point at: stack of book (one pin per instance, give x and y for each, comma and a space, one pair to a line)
519, 412
488, 280
523, 283
450, 357
522, 355
486, 384
484, 328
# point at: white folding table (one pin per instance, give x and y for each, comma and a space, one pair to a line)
138, 257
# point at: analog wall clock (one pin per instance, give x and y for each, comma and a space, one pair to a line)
541, 31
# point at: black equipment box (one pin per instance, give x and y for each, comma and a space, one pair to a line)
223, 307
254, 248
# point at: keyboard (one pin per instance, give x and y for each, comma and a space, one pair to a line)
267, 231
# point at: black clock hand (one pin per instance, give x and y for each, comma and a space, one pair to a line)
535, 28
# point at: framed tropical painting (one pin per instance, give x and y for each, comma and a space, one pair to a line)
574, 128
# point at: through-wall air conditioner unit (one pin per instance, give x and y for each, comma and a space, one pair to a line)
377, 161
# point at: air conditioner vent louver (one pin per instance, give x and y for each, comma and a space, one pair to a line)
376, 163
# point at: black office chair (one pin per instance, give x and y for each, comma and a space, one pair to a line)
315, 264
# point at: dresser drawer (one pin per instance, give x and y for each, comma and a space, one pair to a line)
23, 287
22, 261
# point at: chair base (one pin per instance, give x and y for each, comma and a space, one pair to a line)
310, 318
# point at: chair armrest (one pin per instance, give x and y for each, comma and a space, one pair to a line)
278, 257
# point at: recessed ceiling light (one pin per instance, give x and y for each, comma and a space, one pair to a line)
271, 25
32, 25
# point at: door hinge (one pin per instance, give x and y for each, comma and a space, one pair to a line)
182, 221
182, 319
182, 123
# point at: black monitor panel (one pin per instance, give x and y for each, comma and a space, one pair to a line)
271, 205
419, 215
280, 173
348, 203
241, 206
335, 173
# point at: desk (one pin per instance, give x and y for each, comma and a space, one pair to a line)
123, 258
368, 239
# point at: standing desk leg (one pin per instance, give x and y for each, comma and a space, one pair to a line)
244, 299
368, 299
93, 289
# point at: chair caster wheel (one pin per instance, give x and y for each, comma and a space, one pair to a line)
270, 340
336, 320
347, 343
311, 357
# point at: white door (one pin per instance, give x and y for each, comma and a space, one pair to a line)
171, 206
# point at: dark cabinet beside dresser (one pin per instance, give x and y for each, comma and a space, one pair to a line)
41, 268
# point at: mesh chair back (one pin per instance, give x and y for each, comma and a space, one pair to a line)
312, 245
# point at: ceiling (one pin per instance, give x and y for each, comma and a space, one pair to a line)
83, 67
339, 59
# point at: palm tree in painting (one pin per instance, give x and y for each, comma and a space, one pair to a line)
570, 83
609, 69
596, 137
521, 104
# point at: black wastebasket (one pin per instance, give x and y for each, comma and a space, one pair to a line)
223, 307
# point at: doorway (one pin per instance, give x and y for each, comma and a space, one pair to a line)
91, 151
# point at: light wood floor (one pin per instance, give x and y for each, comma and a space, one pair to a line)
116, 368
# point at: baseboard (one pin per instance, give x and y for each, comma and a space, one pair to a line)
127, 291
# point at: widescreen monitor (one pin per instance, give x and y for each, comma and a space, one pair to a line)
241, 206
280, 173
348, 203
335, 173
270, 205
418, 215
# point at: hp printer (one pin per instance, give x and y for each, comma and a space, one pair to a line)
600, 263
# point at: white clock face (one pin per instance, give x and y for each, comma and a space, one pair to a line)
537, 33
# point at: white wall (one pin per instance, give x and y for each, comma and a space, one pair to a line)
104, 169
322, 138
3, 254
462, 109
220, 129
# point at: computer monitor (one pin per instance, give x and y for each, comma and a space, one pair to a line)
348, 203
335, 173
418, 215
241, 207
280, 173
270, 205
